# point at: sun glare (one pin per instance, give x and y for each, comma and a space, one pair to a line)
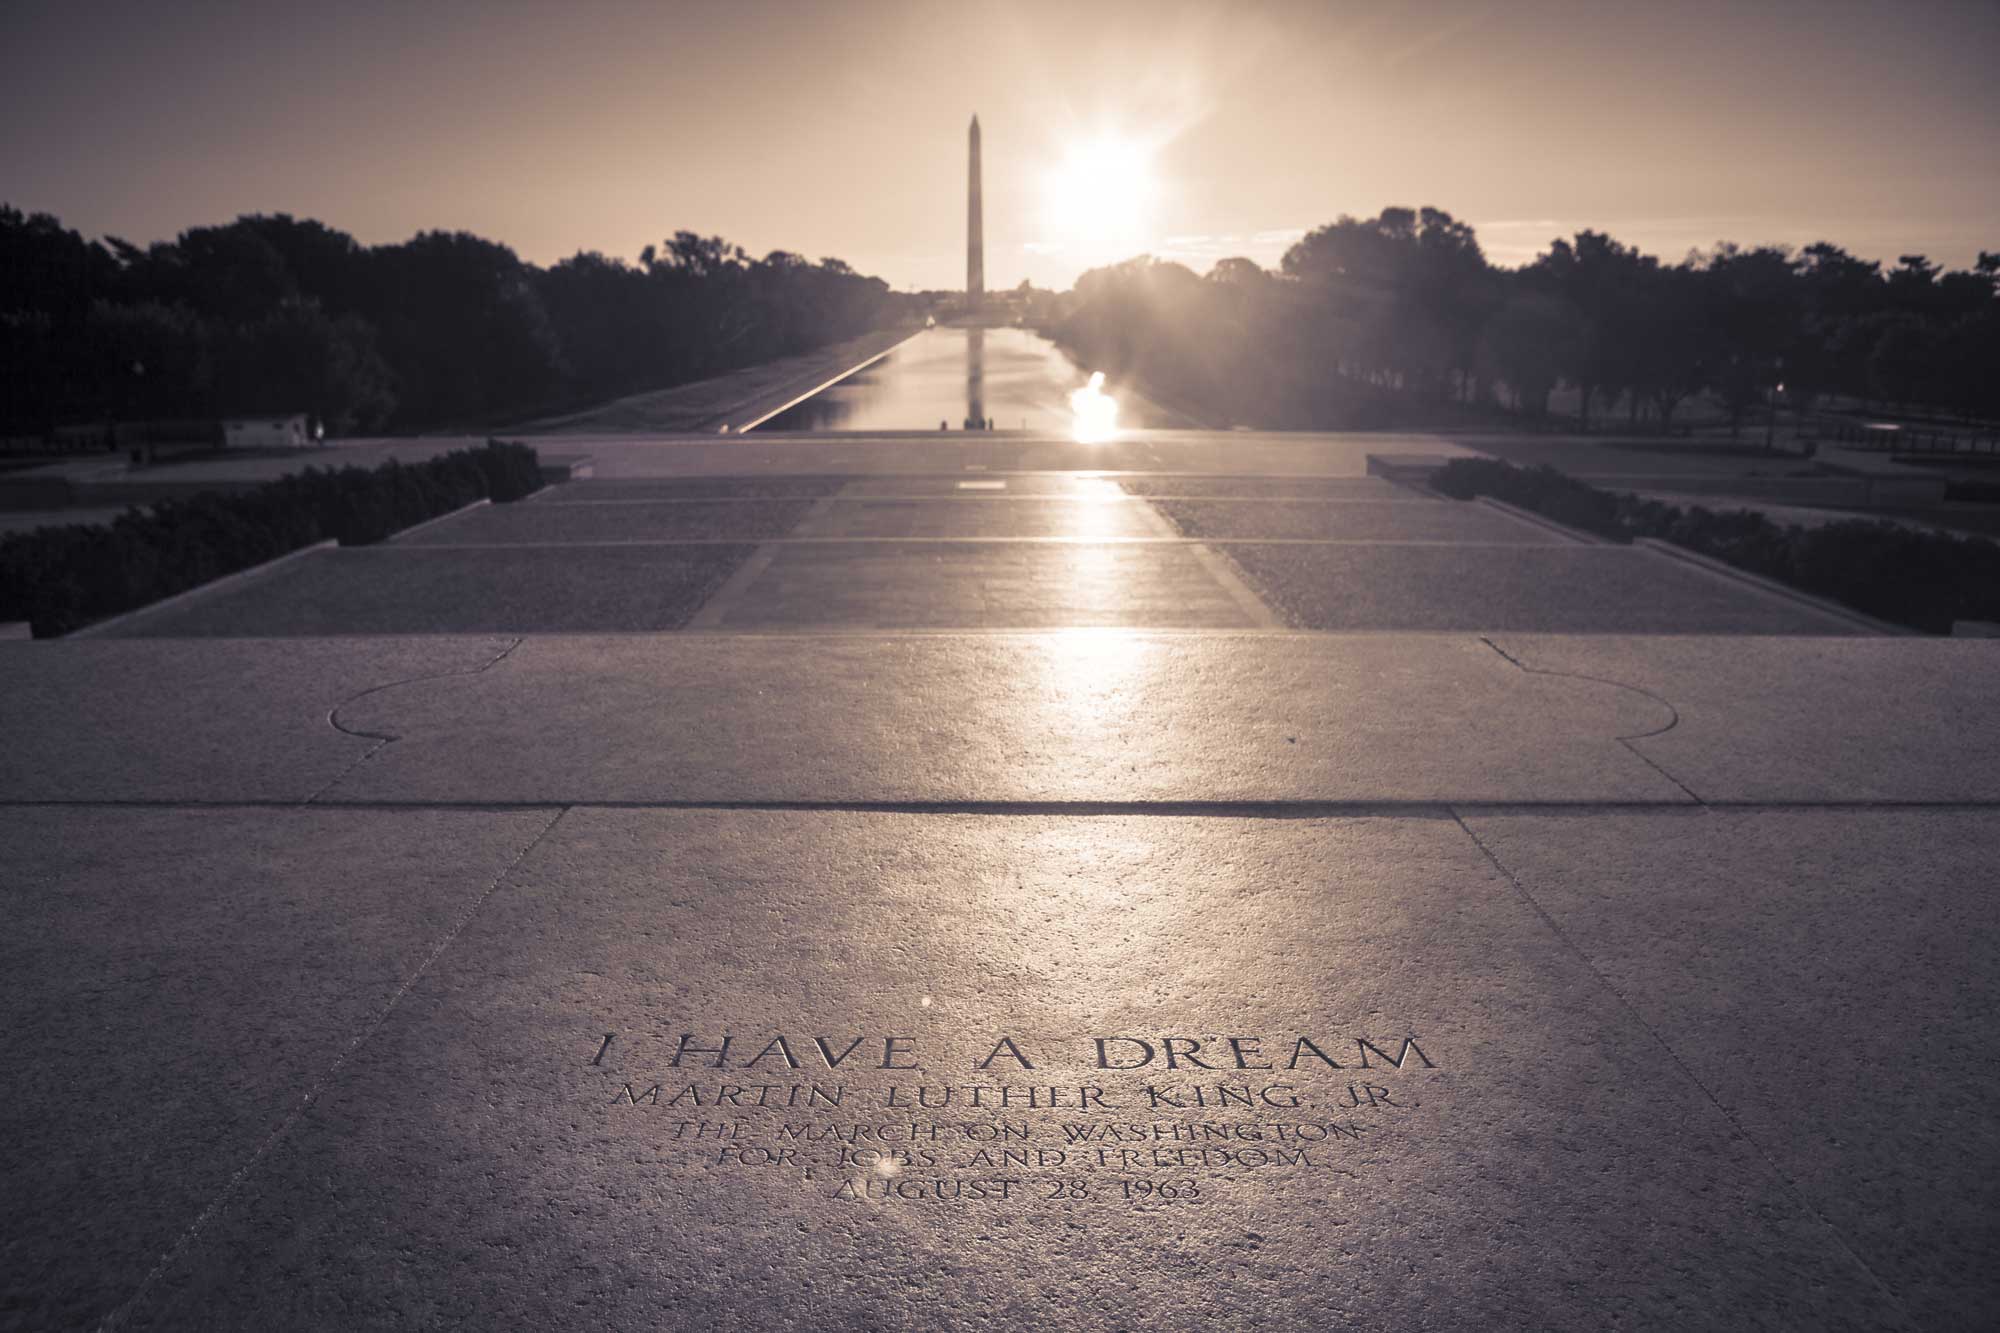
1093, 412
1100, 198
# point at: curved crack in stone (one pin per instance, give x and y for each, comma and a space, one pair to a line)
384, 739
1673, 713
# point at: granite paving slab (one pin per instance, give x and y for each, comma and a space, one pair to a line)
1559, 589
718, 1069
974, 585
558, 524
412, 589
773, 487
1272, 488
1090, 517
1086, 716
1438, 521
1849, 719
1830, 977
111, 720
981, 483
1837, 719
1092, 715
177, 985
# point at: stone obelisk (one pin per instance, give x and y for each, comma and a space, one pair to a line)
975, 231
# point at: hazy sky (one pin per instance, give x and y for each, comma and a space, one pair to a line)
839, 129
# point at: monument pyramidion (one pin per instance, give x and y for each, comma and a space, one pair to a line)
975, 237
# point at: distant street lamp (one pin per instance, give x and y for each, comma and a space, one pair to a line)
1771, 405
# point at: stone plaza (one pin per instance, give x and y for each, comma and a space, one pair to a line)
1203, 880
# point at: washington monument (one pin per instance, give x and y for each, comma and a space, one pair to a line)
975, 236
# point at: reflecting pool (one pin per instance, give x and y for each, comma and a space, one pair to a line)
951, 377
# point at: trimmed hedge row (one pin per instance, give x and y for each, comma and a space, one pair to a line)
61, 579
1925, 580
1972, 492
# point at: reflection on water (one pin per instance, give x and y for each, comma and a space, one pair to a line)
975, 379
1094, 412
954, 378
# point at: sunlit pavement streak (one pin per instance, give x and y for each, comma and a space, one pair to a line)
1644, 896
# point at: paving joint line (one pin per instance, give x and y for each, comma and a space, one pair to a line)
716, 605
1016, 497
1736, 1126
1224, 572
1247, 808
312, 1094
818, 516
1175, 540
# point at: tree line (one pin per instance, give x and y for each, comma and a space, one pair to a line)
1372, 321
278, 314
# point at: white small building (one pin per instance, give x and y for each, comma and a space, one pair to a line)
267, 432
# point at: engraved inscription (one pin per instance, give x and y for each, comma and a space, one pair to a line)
1130, 1119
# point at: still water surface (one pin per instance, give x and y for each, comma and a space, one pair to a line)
948, 377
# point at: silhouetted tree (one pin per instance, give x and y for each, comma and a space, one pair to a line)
1904, 359
1367, 315
148, 360
296, 358
1529, 342
1365, 321
271, 312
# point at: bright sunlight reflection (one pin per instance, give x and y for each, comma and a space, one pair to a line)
1092, 680
1093, 412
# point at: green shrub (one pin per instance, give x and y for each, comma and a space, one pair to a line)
61, 579
1542, 489
1908, 576
1925, 580
512, 469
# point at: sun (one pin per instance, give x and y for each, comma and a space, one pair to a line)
1099, 199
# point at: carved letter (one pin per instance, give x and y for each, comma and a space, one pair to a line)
719, 1052
1306, 1044
1006, 1044
1236, 1045
1103, 1062
1409, 1044
826, 1051
778, 1045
